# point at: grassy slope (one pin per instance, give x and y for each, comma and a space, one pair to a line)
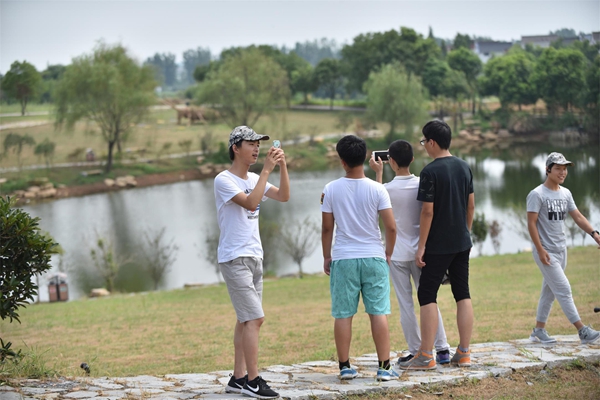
191, 330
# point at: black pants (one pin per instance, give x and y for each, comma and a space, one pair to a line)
432, 273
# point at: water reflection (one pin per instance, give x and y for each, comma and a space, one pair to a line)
187, 212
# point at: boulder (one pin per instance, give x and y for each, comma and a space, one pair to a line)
47, 193
109, 182
38, 181
33, 189
489, 136
30, 195
99, 292
47, 186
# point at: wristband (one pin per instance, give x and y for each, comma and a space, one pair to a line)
592, 233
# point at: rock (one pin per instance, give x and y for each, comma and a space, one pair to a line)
206, 169
47, 186
99, 292
19, 193
2, 180
30, 195
33, 189
503, 133
109, 182
200, 159
120, 182
464, 134
489, 136
47, 193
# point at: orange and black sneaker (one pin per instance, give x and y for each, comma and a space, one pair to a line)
462, 359
421, 361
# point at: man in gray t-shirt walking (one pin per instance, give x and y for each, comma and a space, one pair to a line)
547, 207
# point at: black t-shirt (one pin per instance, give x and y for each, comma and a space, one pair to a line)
447, 182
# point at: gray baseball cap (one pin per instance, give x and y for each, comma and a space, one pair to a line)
557, 158
242, 132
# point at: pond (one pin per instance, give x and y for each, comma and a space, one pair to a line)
186, 211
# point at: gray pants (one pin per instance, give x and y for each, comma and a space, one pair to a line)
555, 285
401, 271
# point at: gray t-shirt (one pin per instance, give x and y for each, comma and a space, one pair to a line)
552, 207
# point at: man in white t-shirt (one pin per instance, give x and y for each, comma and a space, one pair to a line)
403, 190
358, 262
238, 194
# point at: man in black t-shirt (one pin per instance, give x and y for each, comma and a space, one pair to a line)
446, 190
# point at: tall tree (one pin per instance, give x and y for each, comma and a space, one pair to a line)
396, 98
22, 83
559, 78
468, 63
109, 88
329, 75
246, 86
462, 41
193, 58
317, 50
509, 78
50, 77
304, 81
165, 67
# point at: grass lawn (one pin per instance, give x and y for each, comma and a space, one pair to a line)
190, 331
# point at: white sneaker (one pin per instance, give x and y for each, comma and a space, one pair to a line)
540, 335
588, 335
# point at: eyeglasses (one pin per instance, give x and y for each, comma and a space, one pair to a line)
423, 141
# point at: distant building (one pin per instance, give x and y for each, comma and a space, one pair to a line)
595, 38
487, 49
539, 40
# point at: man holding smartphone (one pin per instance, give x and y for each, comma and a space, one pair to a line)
238, 194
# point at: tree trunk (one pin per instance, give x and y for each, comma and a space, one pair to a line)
331, 101
23, 105
109, 159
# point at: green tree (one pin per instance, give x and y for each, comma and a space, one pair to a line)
46, 150
559, 78
479, 231
434, 74
509, 78
165, 68
462, 41
16, 142
467, 62
50, 77
24, 253
304, 81
394, 97
192, 59
592, 98
246, 86
158, 255
456, 88
329, 76
108, 88
22, 82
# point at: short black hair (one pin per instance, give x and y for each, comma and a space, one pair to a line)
352, 150
402, 152
438, 131
231, 153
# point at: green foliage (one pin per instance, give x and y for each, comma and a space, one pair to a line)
467, 62
16, 142
559, 78
24, 253
328, 74
462, 41
395, 98
370, 51
192, 59
108, 88
479, 230
46, 150
158, 256
246, 86
50, 77
304, 81
509, 78
106, 261
30, 364
22, 82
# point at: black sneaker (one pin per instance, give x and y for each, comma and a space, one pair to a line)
406, 358
236, 385
259, 389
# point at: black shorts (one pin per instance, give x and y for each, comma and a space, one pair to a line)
432, 273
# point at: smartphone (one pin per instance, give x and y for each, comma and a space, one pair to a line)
383, 154
277, 144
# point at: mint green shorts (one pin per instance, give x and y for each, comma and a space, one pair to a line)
349, 278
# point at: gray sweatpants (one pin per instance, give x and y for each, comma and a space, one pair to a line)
555, 285
401, 271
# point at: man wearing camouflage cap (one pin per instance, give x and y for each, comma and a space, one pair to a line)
547, 207
238, 193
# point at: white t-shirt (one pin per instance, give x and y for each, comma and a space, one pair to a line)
355, 204
552, 207
239, 227
403, 192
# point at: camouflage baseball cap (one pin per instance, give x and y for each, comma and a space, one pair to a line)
557, 158
242, 132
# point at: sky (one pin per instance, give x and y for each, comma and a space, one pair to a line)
46, 32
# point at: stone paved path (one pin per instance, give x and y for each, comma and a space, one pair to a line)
309, 380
